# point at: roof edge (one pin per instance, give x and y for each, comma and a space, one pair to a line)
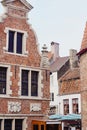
29, 6
82, 52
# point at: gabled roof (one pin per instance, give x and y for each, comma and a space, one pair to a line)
6, 2
71, 74
58, 63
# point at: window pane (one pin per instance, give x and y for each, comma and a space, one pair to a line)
52, 96
42, 127
11, 41
18, 124
8, 124
75, 105
66, 106
24, 87
35, 127
3, 72
19, 43
34, 83
0, 124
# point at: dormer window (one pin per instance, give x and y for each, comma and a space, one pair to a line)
16, 41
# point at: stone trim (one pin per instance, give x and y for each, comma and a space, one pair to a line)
38, 68
14, 106
22, 116
24, 98
18, 8
35, 107
29, 6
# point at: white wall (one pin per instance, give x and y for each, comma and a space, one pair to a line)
54, 88
70, 97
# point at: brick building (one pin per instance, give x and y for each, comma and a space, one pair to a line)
69, 91
24, 74
83, 74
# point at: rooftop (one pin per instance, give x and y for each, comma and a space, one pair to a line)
59, 62
71, 74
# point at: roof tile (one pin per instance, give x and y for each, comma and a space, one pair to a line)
59, 62
84, 40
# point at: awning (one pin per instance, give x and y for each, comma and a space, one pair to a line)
53, 117
66, 117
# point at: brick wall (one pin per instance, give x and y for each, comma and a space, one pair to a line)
71, 86
31, 60
83, 74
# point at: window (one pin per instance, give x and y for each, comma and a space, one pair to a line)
3, 77
75, 105
42, 127
66, 106
11, 41
34, 83
11, 124
52, 96
18, 124
29, 83
19, 42
24, 89
15, 42
0, 124
35, 127
8, 124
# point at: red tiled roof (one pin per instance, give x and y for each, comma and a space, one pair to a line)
84, 42
70, 83
71, 74
59, 62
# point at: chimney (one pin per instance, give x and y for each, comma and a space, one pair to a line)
73, 58
55, 50
44, 57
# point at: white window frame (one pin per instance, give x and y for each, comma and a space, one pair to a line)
24, 51
40, 85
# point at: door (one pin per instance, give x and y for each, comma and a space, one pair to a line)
38, 125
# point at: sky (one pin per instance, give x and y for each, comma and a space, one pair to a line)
61, 21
